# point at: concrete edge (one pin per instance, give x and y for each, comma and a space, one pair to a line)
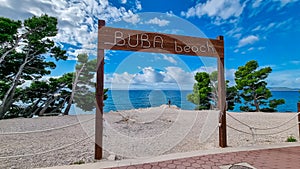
107, 164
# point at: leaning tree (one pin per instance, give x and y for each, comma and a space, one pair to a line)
25, 51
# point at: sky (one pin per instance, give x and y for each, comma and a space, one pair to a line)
264, 30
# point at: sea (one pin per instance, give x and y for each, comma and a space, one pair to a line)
134, 99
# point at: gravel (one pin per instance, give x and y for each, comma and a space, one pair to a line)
66, 140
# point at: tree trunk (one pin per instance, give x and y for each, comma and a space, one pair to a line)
77, 74
256, 105
14, 47
5, 54
48, 102
7, 99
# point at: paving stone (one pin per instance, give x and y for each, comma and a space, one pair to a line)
280, 158
171, 166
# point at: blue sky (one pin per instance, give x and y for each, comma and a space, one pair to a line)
264, 30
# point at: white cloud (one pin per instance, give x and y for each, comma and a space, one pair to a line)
149, 78
256, 3
130, 17
285, 78
207, 69
265, 28
179, 76
170, 13
77, 20
251, 48
123, 1
295, 62
235, 32
248, 40
230, 75
123, 78
138, 5
257, 28
220, 9
169, 59
159, 22
170, 78
149, 75
285, 2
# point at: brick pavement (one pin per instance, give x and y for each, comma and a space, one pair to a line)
276, 158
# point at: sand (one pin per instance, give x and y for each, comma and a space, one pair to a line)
65, 140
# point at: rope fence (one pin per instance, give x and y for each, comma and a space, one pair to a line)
46, 130
254, 129
268, 128
48, 151
50, 129
263, 133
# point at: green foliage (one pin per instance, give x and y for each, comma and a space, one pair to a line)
205, 93
30, 61
8, 31
78, 162
291, 139
253, 88
47, 97
232, 96
201, 91
82, 94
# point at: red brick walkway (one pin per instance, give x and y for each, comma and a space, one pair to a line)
278, 158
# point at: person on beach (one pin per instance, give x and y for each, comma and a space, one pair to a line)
169, 102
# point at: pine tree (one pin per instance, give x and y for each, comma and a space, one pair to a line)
35, 44
201, 91
82, 94
253, 88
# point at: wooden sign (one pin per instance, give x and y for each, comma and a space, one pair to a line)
132, 40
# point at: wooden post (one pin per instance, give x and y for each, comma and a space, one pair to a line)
222, 100
298, 104
99, 98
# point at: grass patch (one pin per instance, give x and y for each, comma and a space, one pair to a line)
291, 139
78, 162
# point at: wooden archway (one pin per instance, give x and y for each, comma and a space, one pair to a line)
133, 40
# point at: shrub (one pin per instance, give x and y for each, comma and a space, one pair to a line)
291, 139
78, 162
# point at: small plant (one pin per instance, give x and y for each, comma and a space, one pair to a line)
291, 139
78, 162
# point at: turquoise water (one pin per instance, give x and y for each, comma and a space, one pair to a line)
132, 99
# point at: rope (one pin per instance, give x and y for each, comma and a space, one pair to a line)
268, 128
252, 131
238, 130
48, 151
239, 121
37, 131
278, 131
241, 131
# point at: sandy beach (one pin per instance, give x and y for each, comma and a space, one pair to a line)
65, 140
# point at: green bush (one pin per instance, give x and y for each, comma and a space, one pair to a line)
78, 162
291, 139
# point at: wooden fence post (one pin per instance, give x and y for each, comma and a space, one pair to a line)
298, 104
99, 98
222, 99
